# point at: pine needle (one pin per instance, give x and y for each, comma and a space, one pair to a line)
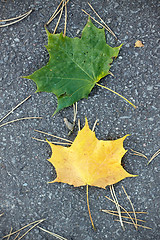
75, 112
125, 212
59, 18
116, 94
38, 221
131, 206
132, 223
111, 73
16, 236
30, 229
121, 208
65, 23
20, 18
20, 119
56, 13
117, 205
138, 154
89, 208
79, 125
9, 234
109, 30
53, 15
53, 136
94, 125
40, 140
11, 111
53, 234
154, 155
116, 214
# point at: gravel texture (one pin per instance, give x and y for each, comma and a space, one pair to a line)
25, 195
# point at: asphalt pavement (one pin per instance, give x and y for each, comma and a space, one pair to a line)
25, 194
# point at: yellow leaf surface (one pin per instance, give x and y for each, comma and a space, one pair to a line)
138, 44
89, 161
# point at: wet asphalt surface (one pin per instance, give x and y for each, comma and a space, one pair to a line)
25, 195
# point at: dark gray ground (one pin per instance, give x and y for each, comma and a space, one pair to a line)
25, 171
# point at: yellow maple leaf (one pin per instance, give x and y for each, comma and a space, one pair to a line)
89, 161
138, 44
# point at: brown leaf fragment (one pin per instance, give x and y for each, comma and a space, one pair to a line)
138, 44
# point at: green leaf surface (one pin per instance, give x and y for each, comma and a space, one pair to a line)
75, 65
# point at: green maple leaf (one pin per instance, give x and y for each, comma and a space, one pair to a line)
75, 65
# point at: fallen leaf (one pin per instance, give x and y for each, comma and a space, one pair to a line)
89, 161
138, 44
75, 65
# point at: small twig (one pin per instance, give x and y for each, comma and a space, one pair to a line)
132, 223
40, 140
69, 125
138, 154
1, 214
20, 119
154, 155
94, 125
131, 206
53, 234
109, 30
53, 136
116, 94
117, 205
25, 15
11, 111
38, 221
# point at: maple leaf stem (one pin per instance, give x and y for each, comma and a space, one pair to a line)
89, 208
116, 94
